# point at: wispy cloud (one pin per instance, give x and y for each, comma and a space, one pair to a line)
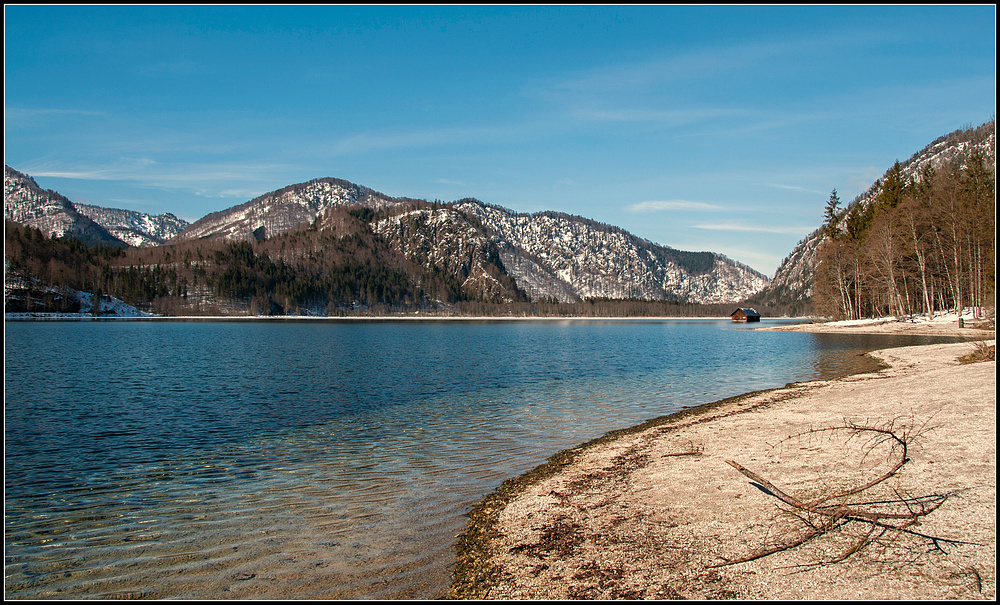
657, 72
696, 86
21, 117
429, 137
683, 205
206, 180
117, 171
706, 63
744, 227
795, 188
657, 116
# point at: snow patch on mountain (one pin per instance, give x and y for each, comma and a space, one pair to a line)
135, 228
283, 210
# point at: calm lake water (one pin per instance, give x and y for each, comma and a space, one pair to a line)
322, 459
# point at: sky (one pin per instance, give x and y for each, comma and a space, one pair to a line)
718, 128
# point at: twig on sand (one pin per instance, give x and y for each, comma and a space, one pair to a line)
884, 518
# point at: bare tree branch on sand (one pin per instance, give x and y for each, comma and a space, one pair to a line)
882, 517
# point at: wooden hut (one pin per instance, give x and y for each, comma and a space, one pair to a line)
743, 315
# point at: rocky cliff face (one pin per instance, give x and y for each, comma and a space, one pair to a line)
28, 204
794, 279
135, 228
443, 239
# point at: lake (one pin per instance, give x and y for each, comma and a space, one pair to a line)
326, 459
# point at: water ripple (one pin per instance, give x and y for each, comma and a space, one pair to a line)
320, 460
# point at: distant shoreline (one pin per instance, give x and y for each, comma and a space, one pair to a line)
348, 318
943, 324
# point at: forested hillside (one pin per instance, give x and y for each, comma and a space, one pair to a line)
335, 266
879, 255
924, 242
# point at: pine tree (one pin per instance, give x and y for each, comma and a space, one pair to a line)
831, 215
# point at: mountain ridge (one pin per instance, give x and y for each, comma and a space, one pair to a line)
550, 255
553, 254
590, 269
292, 206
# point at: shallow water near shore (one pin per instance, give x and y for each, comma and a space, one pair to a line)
326, 459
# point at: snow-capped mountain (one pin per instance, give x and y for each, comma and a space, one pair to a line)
569, 257
283, 210
794, 279
28, 204
548, 254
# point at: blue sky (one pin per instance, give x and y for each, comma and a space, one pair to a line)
699, 127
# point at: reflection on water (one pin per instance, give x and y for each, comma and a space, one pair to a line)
324, 460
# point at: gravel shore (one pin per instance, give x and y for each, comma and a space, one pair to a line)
665, 511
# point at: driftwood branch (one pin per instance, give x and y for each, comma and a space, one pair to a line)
820, 516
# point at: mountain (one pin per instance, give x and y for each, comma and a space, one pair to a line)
285, 209
569, 257
794, 280
445, 240
28, 204
549, 255
495, 254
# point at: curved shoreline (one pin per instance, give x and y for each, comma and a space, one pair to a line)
473, 575
619, 516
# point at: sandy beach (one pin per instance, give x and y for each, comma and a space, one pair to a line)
947, 324
872, 486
